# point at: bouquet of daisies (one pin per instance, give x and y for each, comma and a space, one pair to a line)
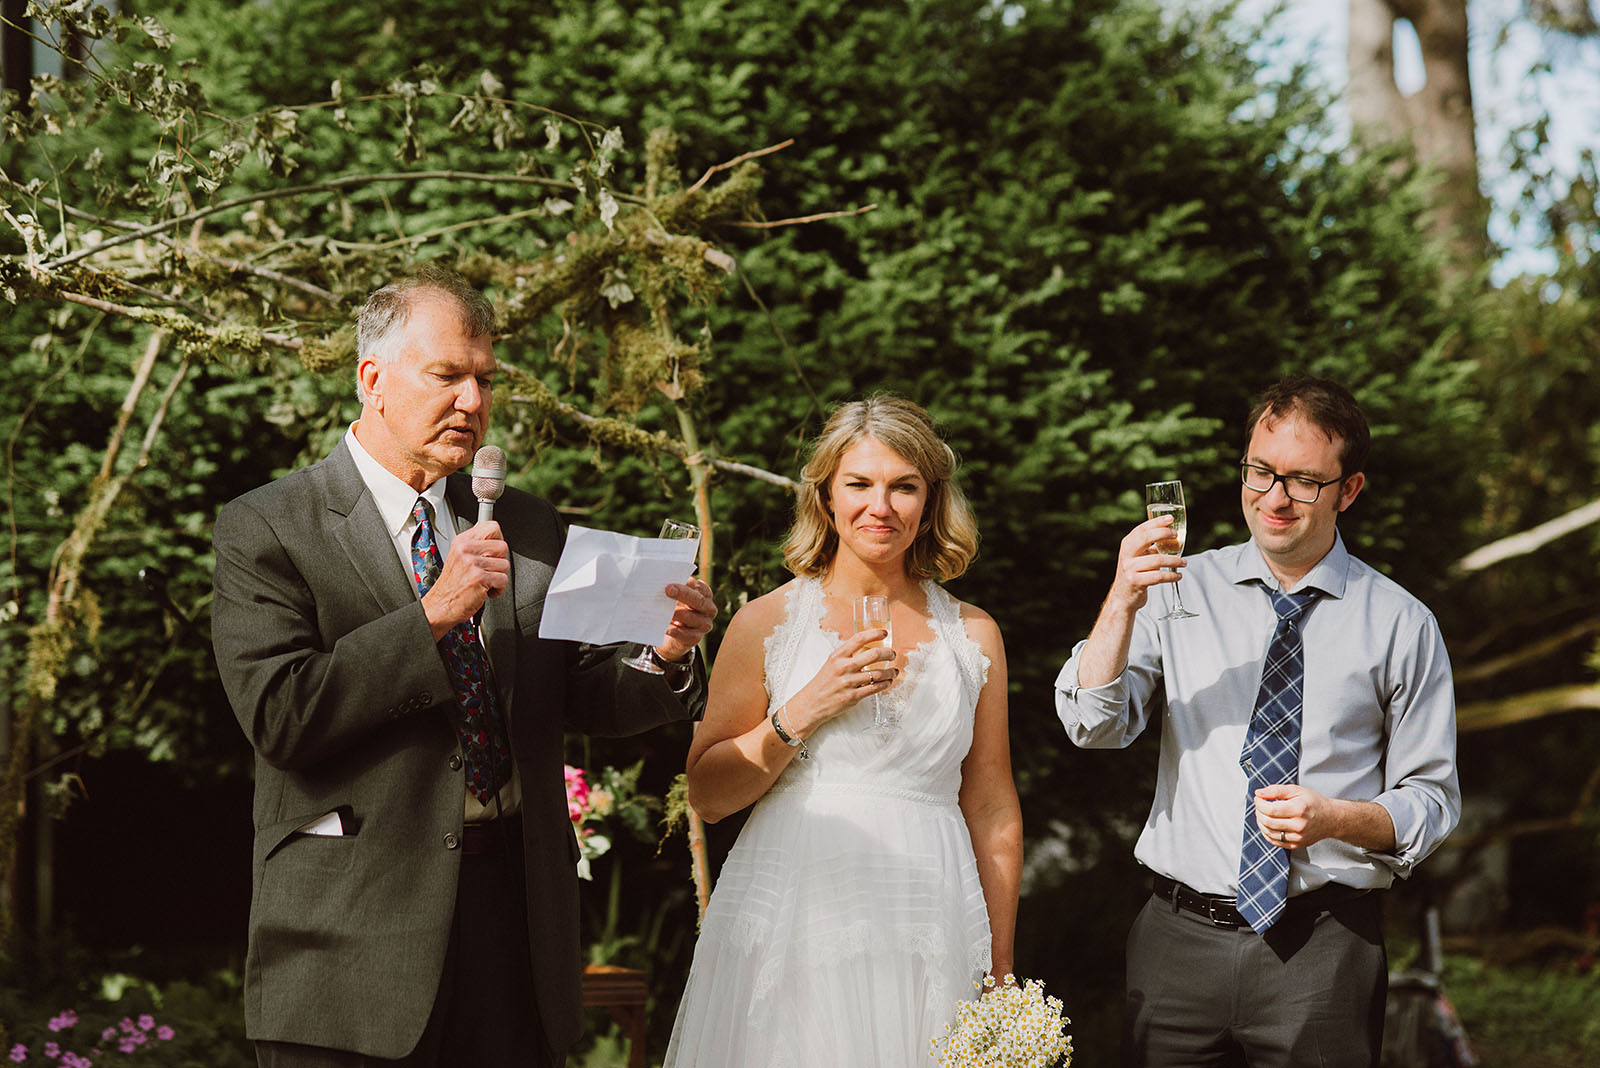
1009, 1026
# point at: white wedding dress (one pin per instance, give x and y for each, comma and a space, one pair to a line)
848, 919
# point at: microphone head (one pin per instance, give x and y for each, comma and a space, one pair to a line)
489, 473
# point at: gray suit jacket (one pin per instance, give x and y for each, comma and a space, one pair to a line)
332, 672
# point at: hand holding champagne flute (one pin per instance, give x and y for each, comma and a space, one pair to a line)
1166, 498
643, 660
872, 613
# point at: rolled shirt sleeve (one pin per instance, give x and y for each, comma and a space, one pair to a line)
1422, 793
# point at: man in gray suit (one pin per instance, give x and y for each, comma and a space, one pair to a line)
414, 898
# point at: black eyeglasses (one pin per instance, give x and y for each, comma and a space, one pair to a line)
1261, 480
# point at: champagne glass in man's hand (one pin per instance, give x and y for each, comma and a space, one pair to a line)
1166, 498
642, 660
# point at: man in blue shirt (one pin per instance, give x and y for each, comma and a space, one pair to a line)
1307, 714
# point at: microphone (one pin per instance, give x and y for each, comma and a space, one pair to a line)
488, 479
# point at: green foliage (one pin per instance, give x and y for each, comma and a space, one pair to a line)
84, 1001
1526, 1014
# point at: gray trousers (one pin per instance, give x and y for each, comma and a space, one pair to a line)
1311, 994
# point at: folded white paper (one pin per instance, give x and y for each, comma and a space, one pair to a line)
330, 825
607, 587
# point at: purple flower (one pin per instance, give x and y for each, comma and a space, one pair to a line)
127, 1025
67, 1018
165, 1033
52, 1050
108, 1034
146, 1022
19, 1053
72, 1060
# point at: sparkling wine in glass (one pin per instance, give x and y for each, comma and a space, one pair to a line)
670, 528
872, 613
1166, 498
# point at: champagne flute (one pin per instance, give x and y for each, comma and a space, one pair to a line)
1166, 498
872, 613
642, 660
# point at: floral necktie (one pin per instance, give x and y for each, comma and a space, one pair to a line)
477, 719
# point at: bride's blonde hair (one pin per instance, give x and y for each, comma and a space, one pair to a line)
947, 538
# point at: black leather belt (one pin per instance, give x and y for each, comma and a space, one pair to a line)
1224, 911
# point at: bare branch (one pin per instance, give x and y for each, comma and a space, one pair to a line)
141, 378
774, 224
1519, 708
350, 181
1526, 542
1528, 654
735, 161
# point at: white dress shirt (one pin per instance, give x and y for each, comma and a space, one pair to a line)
1379, 716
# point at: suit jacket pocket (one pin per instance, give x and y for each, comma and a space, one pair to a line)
331, 851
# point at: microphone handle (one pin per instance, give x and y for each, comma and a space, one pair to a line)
485, 510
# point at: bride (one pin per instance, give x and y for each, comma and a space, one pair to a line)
876, 878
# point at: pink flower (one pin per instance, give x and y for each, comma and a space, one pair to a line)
19, 1053
165, 1033
577, 792
126, 1025
52, 1050
108, 1034
66, 1019
146, 1022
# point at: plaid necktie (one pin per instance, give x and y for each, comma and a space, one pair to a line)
477, 720
1271, 755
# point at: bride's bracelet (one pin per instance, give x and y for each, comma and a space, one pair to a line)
793, 741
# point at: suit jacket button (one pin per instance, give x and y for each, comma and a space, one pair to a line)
452, 840
426, 698
455, 762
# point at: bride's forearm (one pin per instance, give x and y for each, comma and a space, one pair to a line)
737, 772
997, 847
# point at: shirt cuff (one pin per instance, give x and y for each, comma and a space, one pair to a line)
678, 673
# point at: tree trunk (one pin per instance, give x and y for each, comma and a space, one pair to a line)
1437, 121
16, 51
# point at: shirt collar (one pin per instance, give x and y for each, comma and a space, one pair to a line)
1328, 575
393, 496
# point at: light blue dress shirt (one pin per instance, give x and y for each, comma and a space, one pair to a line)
1379, 717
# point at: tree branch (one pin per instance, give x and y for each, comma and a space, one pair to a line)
145, 315
1528, 540
735, 161
1519, 708
308, 288
775, 223
1528, 654
350, 181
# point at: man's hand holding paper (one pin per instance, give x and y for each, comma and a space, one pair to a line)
611, 587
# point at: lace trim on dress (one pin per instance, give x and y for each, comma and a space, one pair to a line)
945, 611
802, 603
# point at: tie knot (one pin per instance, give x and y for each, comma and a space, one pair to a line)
1289, 606
421, 512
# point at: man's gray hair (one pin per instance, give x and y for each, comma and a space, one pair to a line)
386, 312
